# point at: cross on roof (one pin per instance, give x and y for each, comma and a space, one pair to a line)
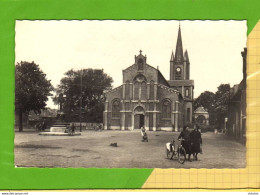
140, 51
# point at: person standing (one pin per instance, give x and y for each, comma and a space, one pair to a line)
186, 143
72, 128
196, 142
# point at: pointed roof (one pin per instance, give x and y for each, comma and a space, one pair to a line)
179, 50
186, 56
172, 57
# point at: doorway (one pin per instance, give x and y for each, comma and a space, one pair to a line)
138, 121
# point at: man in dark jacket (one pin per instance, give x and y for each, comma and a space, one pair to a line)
186, 143
196, 142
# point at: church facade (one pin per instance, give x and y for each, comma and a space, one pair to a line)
147, 99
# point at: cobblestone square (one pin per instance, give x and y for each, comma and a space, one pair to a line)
92, 149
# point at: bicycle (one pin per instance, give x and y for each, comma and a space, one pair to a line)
178, 152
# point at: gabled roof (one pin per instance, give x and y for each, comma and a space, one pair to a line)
158, 71
200, 110
170, 90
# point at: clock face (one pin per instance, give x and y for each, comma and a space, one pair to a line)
178, 69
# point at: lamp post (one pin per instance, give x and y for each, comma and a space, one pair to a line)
225, 124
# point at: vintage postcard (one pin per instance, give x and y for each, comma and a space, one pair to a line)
130, 94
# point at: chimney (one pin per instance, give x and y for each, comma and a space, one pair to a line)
244, 54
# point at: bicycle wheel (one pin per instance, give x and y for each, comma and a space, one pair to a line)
169, 154
181, 155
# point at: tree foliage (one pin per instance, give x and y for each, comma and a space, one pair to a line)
31, 89
216, 104
222, 101
206, 99
94, 83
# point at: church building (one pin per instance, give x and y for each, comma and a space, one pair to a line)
147, 99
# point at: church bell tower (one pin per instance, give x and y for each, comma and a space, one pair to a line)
179, 64
180, 78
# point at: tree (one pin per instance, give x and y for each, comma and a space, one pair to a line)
31, 89
206, 99
216, 104
222, 101
94, 83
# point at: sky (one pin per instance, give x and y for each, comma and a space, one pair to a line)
214, 47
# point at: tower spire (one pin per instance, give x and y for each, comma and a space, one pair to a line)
179, 49
172, 57
186, 56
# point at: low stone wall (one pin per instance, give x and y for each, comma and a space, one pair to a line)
89, 126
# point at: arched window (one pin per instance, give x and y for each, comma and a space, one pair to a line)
151, 90
187, 92
143, 91
140, 64
116, 109
136, 91
166, 109
201, 119
127, 90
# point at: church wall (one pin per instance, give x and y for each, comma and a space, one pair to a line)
112, 122
181, 116
166, 123
128, 121
187, 114
116, 93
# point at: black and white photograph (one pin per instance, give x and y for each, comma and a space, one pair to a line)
130, 93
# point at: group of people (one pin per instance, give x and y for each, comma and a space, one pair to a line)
191, 141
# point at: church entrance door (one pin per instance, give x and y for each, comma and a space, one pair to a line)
138, 117
138, 121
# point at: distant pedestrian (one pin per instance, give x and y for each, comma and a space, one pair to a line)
72, 128
196, 142
142, 131
185, 142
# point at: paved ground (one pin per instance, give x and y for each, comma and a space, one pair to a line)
92, 149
